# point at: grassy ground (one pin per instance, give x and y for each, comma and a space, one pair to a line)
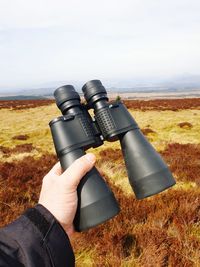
163, 230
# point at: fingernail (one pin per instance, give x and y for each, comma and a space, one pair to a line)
91, 158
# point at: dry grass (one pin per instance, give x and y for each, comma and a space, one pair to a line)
166, 128
20, 137
33, 123
147, 131
23, 148
23, 104
140, 233
185, 125
184, 161
162, 230
164, 104
20, 184
151, 232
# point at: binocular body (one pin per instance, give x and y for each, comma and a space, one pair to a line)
76, 131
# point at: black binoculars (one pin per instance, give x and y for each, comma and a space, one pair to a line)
76, 131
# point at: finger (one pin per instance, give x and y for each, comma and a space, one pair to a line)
56, 170
78, 169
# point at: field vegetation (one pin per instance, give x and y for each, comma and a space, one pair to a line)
160, 231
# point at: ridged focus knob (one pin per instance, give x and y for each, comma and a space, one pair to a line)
65, 93
93, 88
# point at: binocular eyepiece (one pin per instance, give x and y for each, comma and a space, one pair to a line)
66, 97
94, 91
76, 131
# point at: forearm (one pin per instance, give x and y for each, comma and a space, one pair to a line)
35, 239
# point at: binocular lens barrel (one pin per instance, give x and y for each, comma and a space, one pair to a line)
96, 202
148, 174
71, 134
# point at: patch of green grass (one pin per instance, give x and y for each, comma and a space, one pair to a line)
165, 124
184, 185
194, 230
85, 258
32, 122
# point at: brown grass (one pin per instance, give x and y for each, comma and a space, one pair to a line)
155, 104
5, 150
160, 231
164, 104
20, 137
20, 184
24, 104
141, 232
185, 125
144, 232
22, 148
184, 161
147, 131
111, 154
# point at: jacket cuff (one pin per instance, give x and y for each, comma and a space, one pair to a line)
36, 239
53, 235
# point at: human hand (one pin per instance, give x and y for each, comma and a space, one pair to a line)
59, 190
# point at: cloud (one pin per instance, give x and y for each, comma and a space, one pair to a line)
46, 40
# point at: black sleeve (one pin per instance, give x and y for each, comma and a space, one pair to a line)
35, 239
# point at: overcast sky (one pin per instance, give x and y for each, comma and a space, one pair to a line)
43, 40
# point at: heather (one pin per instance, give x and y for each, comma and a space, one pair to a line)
163, 230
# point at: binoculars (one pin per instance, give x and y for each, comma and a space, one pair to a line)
76, 131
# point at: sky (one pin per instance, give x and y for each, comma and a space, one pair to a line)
44, 41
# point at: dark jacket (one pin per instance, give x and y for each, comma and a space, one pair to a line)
35, 239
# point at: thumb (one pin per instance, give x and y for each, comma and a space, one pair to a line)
56, 170
77, 170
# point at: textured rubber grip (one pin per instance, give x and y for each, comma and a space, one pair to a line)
105, 121
85, 125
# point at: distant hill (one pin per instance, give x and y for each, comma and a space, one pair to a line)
181, 83
48, 92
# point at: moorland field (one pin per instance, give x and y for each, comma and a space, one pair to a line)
160, 231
